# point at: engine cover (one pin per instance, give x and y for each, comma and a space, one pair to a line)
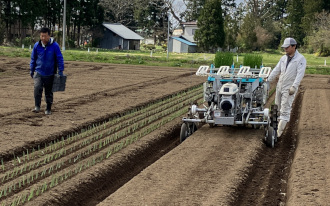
228, 89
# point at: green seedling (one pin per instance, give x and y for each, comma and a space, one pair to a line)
43, 172
27, 154
5, 191
31, 194
2, 165
9, 189
44, 187
19, 199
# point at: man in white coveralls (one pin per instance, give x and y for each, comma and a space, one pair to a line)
291, 69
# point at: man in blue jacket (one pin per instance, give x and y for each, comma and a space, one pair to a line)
46, 60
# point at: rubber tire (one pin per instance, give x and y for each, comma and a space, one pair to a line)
193, 128
275, 136
183, 132
270, 142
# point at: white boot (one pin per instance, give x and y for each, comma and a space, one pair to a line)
281, 127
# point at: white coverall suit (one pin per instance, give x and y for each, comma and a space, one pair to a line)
290, 75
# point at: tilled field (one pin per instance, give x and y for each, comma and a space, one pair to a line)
114, 132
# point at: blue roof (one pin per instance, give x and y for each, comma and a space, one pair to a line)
184, 41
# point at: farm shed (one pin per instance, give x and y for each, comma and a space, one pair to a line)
180, 45
117, 36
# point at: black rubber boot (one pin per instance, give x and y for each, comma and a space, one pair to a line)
48, 109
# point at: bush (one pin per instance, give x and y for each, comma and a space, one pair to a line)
89, 45
223, 59
96, 42
252, 60
27, 41
57, 35
148, 46
71, 43
164, 47
323, 51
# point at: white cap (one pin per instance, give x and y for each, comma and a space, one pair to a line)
289, 41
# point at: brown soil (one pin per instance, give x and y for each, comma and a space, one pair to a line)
231, 166
309, 180
215, 166
90, 95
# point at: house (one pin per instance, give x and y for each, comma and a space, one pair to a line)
182, 40
177, 32
189, 29
148, 40
117, 36
180, 45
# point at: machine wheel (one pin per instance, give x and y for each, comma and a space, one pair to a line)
274, 120
270, 137
193, 128
274, 116
183, 132
187, 129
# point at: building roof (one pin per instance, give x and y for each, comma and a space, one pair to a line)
190, 23
122, 31
188, 38
184, 41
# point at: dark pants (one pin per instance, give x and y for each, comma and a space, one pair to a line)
41, 82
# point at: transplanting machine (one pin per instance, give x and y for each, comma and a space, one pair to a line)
233, 96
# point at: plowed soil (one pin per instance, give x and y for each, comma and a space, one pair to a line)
214, 166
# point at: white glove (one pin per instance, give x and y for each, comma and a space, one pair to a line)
292, 90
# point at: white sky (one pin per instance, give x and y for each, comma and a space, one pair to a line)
180, 7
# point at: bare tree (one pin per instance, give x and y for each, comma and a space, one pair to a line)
264, 37
319, 39
118, 11
176, 9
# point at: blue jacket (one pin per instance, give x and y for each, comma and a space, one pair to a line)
45, 60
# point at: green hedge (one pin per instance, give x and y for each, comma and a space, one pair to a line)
223, 59
252, 60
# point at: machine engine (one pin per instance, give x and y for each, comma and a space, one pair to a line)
235, 97
228, 96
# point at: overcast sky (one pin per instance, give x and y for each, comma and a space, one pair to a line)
180, 7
